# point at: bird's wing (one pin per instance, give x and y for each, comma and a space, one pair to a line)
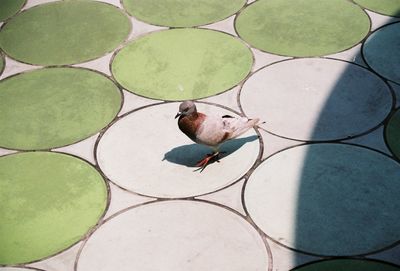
238, 126
211, 132
214, 130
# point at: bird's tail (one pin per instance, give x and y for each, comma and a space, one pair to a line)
244, 126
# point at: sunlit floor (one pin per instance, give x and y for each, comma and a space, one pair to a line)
96, 175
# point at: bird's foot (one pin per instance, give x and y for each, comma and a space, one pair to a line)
211, 157
206, 160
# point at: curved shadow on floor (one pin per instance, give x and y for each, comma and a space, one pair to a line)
189, 155
347, 201
328, 197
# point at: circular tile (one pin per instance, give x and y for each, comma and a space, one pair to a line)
49, 202
327, 199
387, 7
182, 13
182, 64
145, 152
93, 29
381, 51
2, 63
171, 235
348, 264
304, 27
392, 133
316, 99
54, 107
9, 7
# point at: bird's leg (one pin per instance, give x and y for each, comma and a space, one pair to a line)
206, 160
216, 155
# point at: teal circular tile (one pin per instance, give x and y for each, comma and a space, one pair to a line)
392, 133
327, 199
53, 107
386, 7
381, 51
182, 13
182, 64
86, 30
49, 202
9, 7
348, 265
302, 28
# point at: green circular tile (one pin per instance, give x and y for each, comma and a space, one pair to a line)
49, 202
381, 51
54, 107
19, 269
348, 265
392, 133
304, 27
386, 7
9, 7
182, 13
182, 64
64, 32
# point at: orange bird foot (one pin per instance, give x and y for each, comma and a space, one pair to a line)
210, 158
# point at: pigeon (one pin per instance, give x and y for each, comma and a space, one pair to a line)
210, 130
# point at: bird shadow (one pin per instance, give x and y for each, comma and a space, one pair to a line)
189, 155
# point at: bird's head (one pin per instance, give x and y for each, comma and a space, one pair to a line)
186, 108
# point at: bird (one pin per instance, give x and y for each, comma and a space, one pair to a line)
211, 130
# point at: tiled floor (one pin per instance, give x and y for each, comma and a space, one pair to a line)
95, 174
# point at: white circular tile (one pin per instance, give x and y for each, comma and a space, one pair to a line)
327, 199
316, 99
145, 152
175, 235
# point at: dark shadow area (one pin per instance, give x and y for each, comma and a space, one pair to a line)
189, 155
354, 106
347, 203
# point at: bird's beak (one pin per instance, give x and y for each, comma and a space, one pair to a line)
178, 114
